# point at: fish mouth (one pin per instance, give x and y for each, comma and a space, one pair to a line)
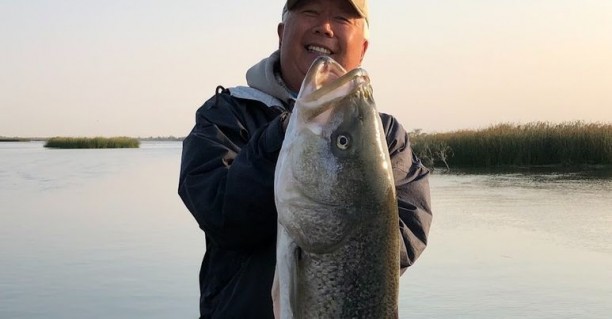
326, 82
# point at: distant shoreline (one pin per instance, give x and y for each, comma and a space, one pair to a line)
45, 139
536, 145
15, 139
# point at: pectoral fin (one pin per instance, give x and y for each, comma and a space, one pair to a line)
286, 277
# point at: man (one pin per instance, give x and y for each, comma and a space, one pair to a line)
227, 169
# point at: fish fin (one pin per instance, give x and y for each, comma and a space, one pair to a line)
294, 291
286, 271
276, 295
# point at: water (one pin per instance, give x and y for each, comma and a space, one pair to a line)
515, 246
103, 234
95, 234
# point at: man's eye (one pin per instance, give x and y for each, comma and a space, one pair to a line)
309, 13
343, 19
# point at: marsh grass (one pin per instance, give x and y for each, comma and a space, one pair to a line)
92, 142
532, 144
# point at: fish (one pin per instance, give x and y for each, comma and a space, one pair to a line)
338, 241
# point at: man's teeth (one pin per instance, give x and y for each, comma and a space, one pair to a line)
319, 49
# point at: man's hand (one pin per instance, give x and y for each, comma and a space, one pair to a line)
285, 120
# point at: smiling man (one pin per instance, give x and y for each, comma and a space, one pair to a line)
227, 168
312, 28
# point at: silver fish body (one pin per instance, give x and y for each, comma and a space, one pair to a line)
338, 239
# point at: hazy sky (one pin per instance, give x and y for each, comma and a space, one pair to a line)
143, 67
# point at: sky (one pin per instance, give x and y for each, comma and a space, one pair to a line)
142, 67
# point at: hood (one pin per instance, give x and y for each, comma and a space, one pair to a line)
265, 76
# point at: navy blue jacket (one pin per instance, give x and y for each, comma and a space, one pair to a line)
226, 182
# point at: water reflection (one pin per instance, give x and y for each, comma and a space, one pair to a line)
563, 173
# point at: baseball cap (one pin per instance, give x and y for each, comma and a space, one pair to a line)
360, 5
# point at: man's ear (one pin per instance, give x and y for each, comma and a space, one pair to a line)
364, 49
279, 29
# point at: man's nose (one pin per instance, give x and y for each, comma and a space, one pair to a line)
324, 26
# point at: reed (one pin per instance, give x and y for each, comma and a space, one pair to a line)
92, 142
533, 144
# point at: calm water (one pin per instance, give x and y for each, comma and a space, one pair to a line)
103, 234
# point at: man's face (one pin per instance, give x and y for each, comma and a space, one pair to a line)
318, 27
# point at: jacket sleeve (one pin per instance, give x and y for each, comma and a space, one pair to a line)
227, 172
412, 187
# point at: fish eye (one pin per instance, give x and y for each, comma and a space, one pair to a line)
343, 142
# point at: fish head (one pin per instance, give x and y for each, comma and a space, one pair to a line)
336, 127
333, 171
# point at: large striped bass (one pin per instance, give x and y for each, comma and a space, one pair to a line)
338, 238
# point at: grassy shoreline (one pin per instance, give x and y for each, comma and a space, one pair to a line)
537, 144
532, 146
92, 142
14, 139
